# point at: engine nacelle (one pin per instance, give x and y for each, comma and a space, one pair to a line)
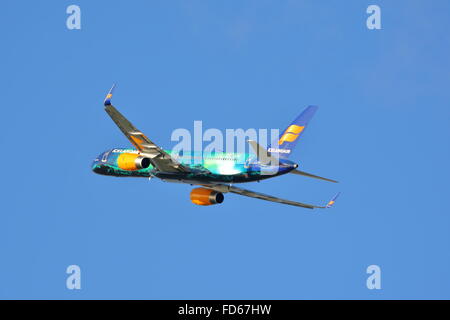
206, 197
132, 161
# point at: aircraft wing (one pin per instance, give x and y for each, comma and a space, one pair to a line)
160, 159
262, 196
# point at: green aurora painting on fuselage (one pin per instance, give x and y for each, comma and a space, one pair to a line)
218, 166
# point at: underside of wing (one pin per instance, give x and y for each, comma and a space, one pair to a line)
262, 196
160, 159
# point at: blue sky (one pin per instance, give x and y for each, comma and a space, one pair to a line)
382, 130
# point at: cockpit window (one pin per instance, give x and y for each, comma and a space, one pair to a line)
105, 156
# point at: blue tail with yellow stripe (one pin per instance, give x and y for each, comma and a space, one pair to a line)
288, 139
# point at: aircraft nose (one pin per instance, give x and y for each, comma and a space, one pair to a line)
94, 163
95, 166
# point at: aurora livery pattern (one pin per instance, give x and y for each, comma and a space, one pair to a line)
213, 173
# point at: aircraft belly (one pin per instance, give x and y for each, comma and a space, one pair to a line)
192, 178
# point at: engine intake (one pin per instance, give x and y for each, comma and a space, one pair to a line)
206, 197
132, 161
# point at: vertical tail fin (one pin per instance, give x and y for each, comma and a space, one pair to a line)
288, 139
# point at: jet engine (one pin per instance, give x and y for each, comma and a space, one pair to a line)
132, 161
206, 197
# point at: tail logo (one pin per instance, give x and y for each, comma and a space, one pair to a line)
291, 134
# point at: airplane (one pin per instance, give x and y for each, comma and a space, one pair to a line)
212, 175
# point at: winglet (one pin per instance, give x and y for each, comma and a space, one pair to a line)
108, 98
332, 201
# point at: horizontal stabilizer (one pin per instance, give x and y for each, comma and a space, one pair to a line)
263, 156
306, 174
